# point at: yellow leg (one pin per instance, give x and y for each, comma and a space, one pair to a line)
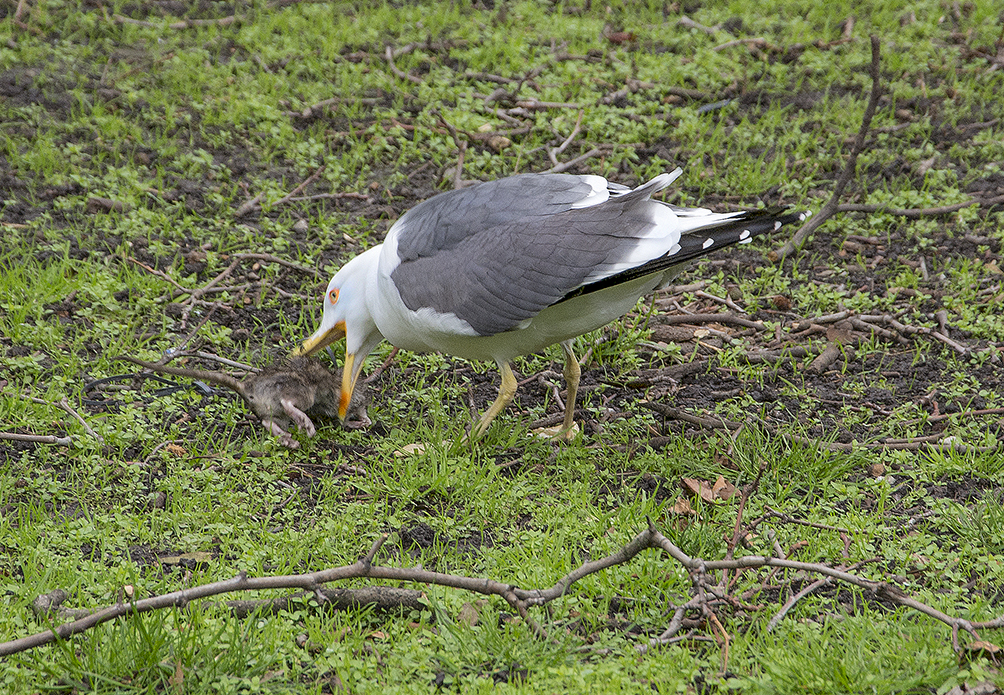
507, 391
572, 373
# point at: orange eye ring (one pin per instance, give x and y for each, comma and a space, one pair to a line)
333, 295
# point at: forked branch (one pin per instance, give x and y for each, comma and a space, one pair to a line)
704, 595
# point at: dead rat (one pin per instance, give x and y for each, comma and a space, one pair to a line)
282, 395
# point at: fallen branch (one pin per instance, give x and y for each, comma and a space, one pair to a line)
705, 596
376, 597
519, 599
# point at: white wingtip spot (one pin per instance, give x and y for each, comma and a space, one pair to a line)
805, 215
708, 242
777, 226
746, 241
745, 235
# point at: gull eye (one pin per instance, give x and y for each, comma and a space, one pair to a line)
333, 295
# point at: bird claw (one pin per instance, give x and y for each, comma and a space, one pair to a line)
558, 433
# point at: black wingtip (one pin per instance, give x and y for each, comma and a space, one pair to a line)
701, 242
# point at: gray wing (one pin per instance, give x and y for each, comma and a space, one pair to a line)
448, 220
501, 252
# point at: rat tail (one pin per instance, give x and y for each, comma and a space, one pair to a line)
220, 378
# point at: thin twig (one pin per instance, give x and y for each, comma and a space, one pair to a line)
275, 259
727, 301
222, 360
914, 213
183, 24
37, 438
881, 589
830, 207
553, 152
65, 405
309, 180
790, 603
158, 273
157, 448
332, 196
964, 413
255, 203
389, 55
793, 520
565, 166
716, 423
711, 318
249, 205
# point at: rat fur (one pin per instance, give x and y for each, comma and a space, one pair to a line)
282, 395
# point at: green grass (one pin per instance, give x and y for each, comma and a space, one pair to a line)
182, 126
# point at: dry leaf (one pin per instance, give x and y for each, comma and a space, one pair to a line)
177, 679
723, 489
982, 646
410, 449
499, 142
701, 488
682, 506
195, 557
175, 450
468, 614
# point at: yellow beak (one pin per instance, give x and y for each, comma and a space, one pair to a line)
320, 340
349, 374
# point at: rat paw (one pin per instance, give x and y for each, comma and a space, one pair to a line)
300, 418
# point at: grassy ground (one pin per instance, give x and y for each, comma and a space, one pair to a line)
129, 149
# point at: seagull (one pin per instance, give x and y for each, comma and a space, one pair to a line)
509, 267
